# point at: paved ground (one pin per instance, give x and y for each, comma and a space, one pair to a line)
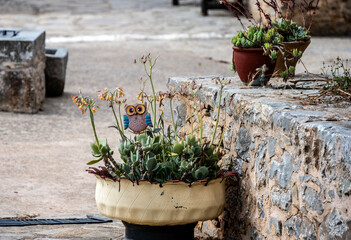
43, 156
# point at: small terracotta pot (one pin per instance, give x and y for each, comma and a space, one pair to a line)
247, 61
289, 46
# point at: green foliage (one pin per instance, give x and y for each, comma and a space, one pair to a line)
337, 87
291, 70
160, 154
157, 160
284, 74
339, 77
100, 150
290, 31
273, 54
297, 53
258, 37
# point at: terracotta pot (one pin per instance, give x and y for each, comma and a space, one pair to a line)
289, 46
247, 62
175, 203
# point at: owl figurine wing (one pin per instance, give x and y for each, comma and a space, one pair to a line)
125, 121
148, 119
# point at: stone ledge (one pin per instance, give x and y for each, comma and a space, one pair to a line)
294, 160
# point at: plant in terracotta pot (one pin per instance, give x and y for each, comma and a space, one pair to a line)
254, 48
162, 182
255, 53
288, 41
296, 37
296, 40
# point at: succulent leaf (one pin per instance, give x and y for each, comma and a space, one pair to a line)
151, 164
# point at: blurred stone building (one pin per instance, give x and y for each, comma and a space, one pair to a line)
332, 18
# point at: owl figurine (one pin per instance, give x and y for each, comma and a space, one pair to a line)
137, 118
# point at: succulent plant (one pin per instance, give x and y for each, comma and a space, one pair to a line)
290, 31
159, 154
150, 158
259, 37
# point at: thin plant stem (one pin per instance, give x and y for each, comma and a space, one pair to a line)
116, 119
93, 125
120, 119
222, 135
109, 167
151, 102
218, 111
117, 123
199, 117
174, 124
163, 155
192, 125
149, 74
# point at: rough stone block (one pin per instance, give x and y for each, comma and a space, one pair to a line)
276, 225
260, 166
55, 71
312, 199
281, 198
22, 64
282, 170
243, 143
271, 147
210, 229
299, 228
335, 227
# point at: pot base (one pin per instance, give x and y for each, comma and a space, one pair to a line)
144, 232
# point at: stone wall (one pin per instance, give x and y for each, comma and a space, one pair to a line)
333, 17
293, 161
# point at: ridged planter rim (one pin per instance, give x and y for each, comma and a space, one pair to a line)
221, 176
239, 49
203, 182
173, 203
295, 42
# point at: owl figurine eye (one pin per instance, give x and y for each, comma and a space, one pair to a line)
140, 109
130, 110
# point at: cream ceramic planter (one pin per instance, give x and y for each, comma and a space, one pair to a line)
175, 203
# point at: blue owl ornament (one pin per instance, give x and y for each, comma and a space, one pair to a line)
137, 119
